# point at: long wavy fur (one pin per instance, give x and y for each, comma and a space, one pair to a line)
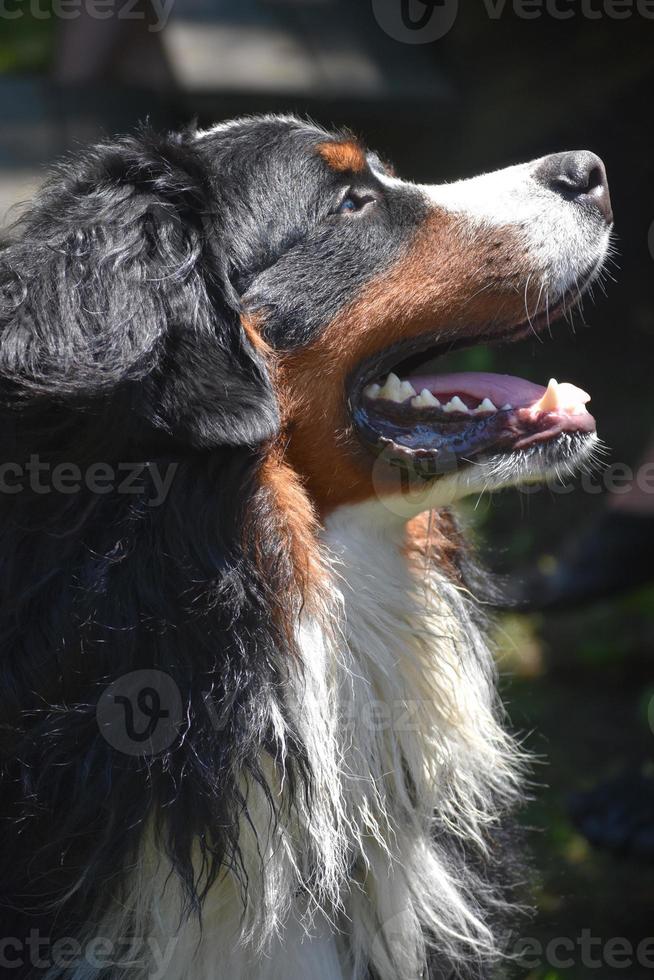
118, 323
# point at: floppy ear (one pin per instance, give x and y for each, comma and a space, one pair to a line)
117, 292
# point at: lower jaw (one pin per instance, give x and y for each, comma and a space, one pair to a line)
413, 487
434, 450
558, 457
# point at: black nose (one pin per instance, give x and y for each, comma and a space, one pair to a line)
578, 176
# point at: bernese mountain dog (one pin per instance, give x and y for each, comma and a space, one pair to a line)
248, 721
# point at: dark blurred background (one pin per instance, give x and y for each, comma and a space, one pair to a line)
500, 86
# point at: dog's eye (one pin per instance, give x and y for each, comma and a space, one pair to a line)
349, 204
353, 202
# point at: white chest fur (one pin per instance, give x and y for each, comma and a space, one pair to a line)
396, 706
424, 756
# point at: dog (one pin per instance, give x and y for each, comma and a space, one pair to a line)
249, 719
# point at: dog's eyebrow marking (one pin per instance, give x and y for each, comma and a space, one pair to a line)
343, 155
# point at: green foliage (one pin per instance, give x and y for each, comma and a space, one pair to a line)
26, 42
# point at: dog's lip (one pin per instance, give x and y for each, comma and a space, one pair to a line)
430, 436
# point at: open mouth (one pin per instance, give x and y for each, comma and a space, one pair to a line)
438, 420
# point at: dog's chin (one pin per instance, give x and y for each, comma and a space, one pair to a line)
551, 463
554, 461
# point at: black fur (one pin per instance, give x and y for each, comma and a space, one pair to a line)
121, 341
121, 344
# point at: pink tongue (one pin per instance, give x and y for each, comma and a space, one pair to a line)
502, 389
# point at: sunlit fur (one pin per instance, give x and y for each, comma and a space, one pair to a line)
395, 703
340, 813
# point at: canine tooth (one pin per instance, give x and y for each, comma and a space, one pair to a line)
372, 391
486, 406
392, 390
506, 408
407, 390
566, 397
550, 399
456, 405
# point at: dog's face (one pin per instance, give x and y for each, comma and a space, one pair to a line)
355, 278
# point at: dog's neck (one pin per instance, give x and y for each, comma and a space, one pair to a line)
394, 705
419, 735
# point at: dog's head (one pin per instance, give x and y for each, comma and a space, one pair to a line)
379, 277
267, 282
355, 279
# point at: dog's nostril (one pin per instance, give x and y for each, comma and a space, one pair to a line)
596, 178
578, 176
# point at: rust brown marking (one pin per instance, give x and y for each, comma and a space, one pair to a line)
296, 517
433, 538
252, 329
282, 511
441, 286
281, 528
343, 156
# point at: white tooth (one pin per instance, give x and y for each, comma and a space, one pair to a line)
407, 390
550, 399
562, 397
372, 391
429, 399
507, 407
573, 399
485, 406
392, 390
425, 400
456, 405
